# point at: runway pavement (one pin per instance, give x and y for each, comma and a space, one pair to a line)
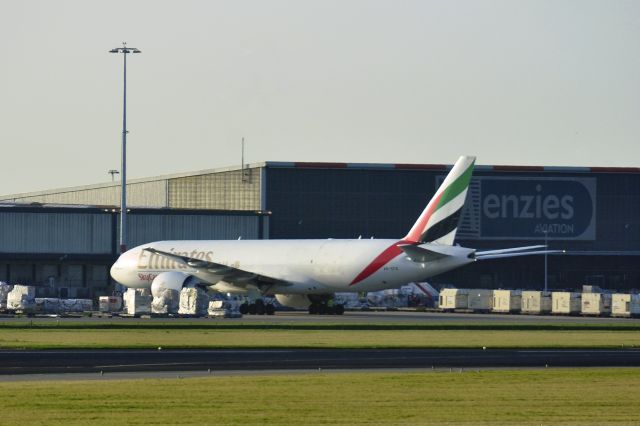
79, 361
356, 317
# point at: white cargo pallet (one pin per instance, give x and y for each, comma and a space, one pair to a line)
566, 303
596, 304
536, 302
625, 305
452, 299
507, 301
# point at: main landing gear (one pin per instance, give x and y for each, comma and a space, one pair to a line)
257, 308
325, 308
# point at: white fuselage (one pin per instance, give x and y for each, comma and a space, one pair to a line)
307, 266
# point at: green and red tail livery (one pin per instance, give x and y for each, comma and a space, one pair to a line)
439, 220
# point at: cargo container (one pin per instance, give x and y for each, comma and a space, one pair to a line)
480, 300
566, 303
625, 305
47, 305
21, 298
109, 303
223, 309
596, 304
453, 298
193, 301
5, 289
138, 301
167, 302
507, 301
76, 305
536, 302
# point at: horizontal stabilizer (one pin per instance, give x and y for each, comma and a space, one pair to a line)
421, 254
509, 250
481, 256
424, 253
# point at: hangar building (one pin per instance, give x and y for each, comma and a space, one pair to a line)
66, 251
590, 212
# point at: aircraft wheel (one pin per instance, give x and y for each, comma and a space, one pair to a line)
252, 309
338, 309
270, 309
244, 308
313, 309
260, 309
322, 309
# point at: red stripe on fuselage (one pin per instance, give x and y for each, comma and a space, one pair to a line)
382, 259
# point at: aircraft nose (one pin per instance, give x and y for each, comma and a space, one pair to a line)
117, 271
122, 270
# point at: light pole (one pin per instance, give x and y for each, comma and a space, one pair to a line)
545, 260
113, 172
123, 169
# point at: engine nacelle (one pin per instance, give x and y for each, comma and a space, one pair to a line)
297, 301
173, 280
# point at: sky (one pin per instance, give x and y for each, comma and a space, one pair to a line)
513, 82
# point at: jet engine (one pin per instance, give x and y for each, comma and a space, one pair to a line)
172, 280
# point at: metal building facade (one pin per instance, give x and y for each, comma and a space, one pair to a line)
219, 189
587, 209
144, 227
140, 193
67, 251
310, 202
230, 190
592, 213
59, 231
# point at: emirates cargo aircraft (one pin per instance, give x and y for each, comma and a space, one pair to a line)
306, 273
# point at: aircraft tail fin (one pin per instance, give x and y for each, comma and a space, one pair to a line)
438, 222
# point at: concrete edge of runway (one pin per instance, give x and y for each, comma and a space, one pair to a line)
215, 361
200, 374
350, 317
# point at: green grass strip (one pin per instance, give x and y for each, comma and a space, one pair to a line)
142, 324
38, 338
507, 397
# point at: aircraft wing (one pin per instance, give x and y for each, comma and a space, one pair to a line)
212, 272
514, 252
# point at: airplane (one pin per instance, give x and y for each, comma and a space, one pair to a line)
305, 274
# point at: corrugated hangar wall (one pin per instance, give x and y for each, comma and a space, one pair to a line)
219, 190
225, 191
144, 228
592, 213
58, 232
139, 194
72, 248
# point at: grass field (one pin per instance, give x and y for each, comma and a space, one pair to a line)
523, 397
152, 335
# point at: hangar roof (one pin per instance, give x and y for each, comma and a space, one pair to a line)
88, 208
325, 165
